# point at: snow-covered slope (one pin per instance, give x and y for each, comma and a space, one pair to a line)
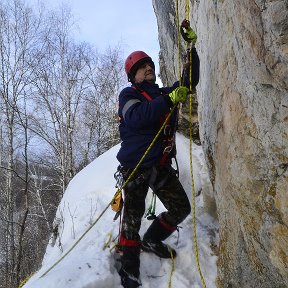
89, 266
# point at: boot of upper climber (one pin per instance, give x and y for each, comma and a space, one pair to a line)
129, 267
158, 231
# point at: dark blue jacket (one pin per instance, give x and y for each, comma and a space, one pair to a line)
141, 119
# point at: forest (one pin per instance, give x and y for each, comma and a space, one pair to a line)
58, 100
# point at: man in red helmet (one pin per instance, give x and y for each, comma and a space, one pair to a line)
143, 108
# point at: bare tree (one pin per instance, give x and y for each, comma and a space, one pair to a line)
18, 30
100, 119
60, 85
77, 88
58, 112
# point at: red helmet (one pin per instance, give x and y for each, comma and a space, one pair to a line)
134, 60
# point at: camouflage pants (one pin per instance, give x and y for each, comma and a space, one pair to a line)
168, 189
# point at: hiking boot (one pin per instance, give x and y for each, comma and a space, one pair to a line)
160, 249
128, 280
129, 263
158, 231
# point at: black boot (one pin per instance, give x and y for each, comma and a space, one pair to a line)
158, 231
130, 264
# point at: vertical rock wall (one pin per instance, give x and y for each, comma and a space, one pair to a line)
243, 115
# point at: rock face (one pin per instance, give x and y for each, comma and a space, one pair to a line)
243, 116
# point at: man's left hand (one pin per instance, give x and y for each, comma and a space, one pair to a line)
189, 33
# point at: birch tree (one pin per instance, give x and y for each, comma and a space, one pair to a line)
60, 84
58, 101
18, 33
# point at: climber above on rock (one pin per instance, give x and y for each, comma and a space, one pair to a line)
143, 108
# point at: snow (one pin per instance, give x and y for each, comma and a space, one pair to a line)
89, 266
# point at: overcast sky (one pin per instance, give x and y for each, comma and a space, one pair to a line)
132, 23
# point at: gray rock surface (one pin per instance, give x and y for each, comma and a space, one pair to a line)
243, 116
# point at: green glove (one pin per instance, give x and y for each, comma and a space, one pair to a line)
191, 35
179, 94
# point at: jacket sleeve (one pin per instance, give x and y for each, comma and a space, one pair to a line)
195, 70
139, 113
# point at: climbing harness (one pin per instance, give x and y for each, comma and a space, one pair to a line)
117, 203
150, 213
169, 135
143, 92
147, 175
169, 144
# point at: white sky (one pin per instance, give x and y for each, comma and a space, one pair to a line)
132, 23
89, 266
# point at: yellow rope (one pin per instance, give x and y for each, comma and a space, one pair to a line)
196, 250
187, 13
178, 42
172, 268
25, 281
187, 10
113, 247
109, 240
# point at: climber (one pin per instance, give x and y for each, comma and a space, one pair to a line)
142, 110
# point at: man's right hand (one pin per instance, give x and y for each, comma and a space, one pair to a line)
179, 94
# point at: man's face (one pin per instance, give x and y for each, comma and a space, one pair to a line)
145, 72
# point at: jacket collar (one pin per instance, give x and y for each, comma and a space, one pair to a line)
147, 86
